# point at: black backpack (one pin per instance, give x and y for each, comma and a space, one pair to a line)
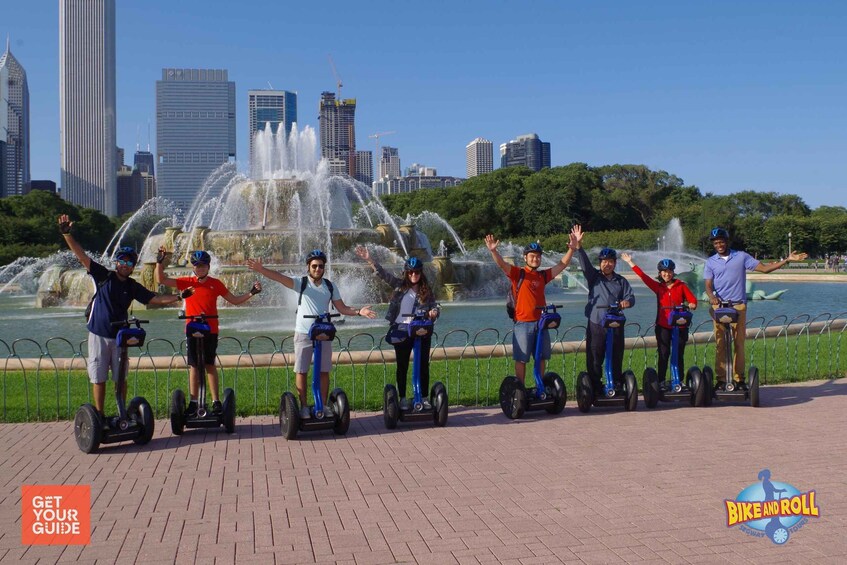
512, 297
305, 281
93, 296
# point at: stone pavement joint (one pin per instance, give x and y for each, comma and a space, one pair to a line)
604, 487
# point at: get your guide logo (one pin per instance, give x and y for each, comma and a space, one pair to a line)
771, 508
55, 514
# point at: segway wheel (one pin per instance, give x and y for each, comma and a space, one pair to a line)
512, 398
440, 405
584, 392
650, 387
140, 410
631, 391
289, 416
341, 405
229, 410
709, 379
698, 387
753, 378
780, 535
390, 407
556, 385
88, 428
177, 412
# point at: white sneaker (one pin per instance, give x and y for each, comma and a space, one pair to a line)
405, 404
328, 411
305, 414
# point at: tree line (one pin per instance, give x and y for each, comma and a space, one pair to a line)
624, 206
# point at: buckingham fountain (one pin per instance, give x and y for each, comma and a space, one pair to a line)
288, 205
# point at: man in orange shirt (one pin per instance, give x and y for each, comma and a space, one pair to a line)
529, 297
204, 301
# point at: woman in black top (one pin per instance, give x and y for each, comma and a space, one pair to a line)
411, 292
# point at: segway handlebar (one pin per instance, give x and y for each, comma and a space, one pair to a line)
318, 316
196, 317
128, 322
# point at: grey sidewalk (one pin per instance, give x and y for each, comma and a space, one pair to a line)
603, 487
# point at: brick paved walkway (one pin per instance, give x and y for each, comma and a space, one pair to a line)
605, 487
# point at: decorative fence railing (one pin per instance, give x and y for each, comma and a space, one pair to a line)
47, 381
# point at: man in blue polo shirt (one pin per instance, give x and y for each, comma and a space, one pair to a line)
115, 292
725, 276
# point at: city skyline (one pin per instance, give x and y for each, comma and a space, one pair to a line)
728, 97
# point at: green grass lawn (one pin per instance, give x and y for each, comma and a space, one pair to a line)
56, 395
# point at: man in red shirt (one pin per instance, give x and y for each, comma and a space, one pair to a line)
529, 297
204, 301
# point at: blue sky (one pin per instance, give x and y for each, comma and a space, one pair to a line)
727, 95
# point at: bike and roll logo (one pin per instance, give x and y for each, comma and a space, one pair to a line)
771, 509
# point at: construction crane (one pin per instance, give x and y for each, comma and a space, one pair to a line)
376, 136
338, 83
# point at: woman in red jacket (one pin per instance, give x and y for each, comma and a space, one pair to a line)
670, 292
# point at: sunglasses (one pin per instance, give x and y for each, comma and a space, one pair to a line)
317, 266
125, 263
414, 272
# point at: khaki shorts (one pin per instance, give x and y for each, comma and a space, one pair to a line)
303, 351
103, 355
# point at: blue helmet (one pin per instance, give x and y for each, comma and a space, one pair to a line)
533, 247
316, 254
608, 253
413, 264
200, 258
719, 233
666, 265
127, 254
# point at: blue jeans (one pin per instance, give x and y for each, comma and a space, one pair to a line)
523, 342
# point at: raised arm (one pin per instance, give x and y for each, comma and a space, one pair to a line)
771, 267
65, 225
363, 253
348, 311
492, 244
256, 266
565, 260
651, 283
161, 276
237, 299
588, 269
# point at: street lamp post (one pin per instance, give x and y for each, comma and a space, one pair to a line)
658, 244
789, 244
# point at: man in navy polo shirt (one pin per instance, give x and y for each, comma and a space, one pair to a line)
725, 276
115, 292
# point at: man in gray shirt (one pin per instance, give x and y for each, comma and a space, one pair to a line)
605, 288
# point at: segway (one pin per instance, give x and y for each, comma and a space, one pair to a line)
290, 422
549, 391
420, 327
775, 530
694, 388
726, 315
197, 329
133, 423
611, 393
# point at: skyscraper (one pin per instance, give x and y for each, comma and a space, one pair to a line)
145, 161
480, 157
270, 107
389, 164
338, 130
87, 111
14, 125
195, 130
365, 167
527, 150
